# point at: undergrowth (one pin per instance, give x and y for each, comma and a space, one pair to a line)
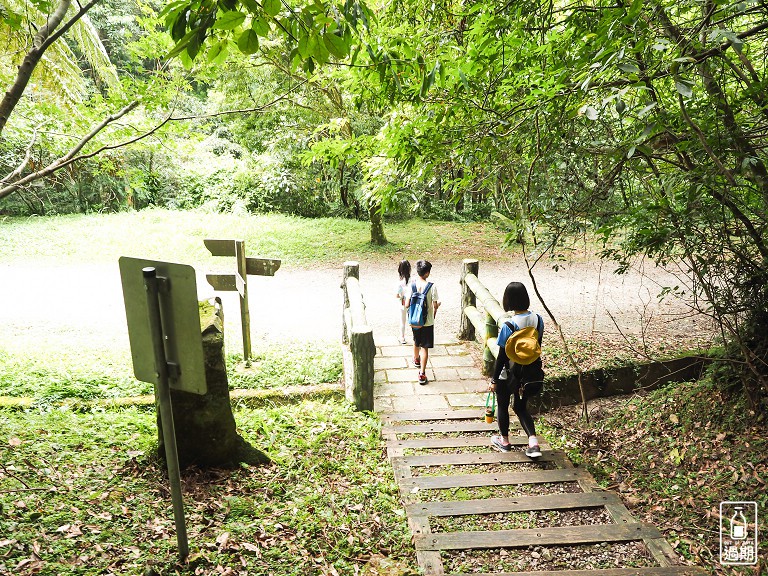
674, 455
83, 493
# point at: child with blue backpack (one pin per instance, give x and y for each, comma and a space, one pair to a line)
422, 303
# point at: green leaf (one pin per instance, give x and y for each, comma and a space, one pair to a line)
628, 67
646, 110
683, 88
217, 53
229, 20
303, 46
336, 45
271, 7
248, 42
260, 26
179, 27
429, 80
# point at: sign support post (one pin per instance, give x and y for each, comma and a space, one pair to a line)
154, 285
239, 280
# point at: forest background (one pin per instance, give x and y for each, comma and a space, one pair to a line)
642, 124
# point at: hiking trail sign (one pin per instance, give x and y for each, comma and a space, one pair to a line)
239, 280
167, 350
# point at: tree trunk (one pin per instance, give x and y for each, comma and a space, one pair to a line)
206, 433
377, 224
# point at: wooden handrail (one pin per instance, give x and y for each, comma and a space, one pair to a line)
484, 325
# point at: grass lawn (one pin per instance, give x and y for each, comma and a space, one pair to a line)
177, 237
82, 493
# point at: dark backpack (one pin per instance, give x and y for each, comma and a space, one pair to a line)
417, 310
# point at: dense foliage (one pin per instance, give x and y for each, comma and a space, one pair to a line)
644, 122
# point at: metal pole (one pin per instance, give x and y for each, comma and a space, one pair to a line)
163, 394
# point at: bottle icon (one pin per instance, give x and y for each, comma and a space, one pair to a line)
738, 525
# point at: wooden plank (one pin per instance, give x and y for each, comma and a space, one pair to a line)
222, 282
645, 571
432, 415
469, 458
240, 285
501, 479
457, 442
262, 266
522, 504
477, 425
555, 536
220, 247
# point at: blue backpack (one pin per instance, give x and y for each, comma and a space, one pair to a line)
417, 310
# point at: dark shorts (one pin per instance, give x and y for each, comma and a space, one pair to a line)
424, 337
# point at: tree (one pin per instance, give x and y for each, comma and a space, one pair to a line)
644, 120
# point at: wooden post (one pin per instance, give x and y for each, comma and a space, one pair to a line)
350, 269
245, 316
466, 329
363, 350
491, 331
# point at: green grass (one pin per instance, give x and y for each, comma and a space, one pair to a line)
82, 493
49, 378
178, 237
674, 455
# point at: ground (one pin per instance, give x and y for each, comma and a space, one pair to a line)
52, 303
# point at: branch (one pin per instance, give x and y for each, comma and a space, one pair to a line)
72, 156
16, 173
46, 36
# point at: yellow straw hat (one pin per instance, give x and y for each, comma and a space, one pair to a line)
523, 347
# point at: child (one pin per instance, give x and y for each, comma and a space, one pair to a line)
521, 374
423, 336
404, 270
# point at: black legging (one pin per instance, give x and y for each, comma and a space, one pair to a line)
506, 390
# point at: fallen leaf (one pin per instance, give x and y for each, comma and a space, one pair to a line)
674, 419
14, 442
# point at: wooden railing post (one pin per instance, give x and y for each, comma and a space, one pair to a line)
363, 350
482, 325
466, 328
350, 269
359, 370
491, 332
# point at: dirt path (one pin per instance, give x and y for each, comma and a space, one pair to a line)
61, 305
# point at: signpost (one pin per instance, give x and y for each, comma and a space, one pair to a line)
167, 350
239, 280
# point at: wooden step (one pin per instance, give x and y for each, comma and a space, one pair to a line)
555, 536
476, 425
458, 442
462, 414
522, 504
468, 458
647, 571
501, 479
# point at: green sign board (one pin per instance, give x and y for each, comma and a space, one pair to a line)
180, 319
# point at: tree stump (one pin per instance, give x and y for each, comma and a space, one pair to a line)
206, 433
